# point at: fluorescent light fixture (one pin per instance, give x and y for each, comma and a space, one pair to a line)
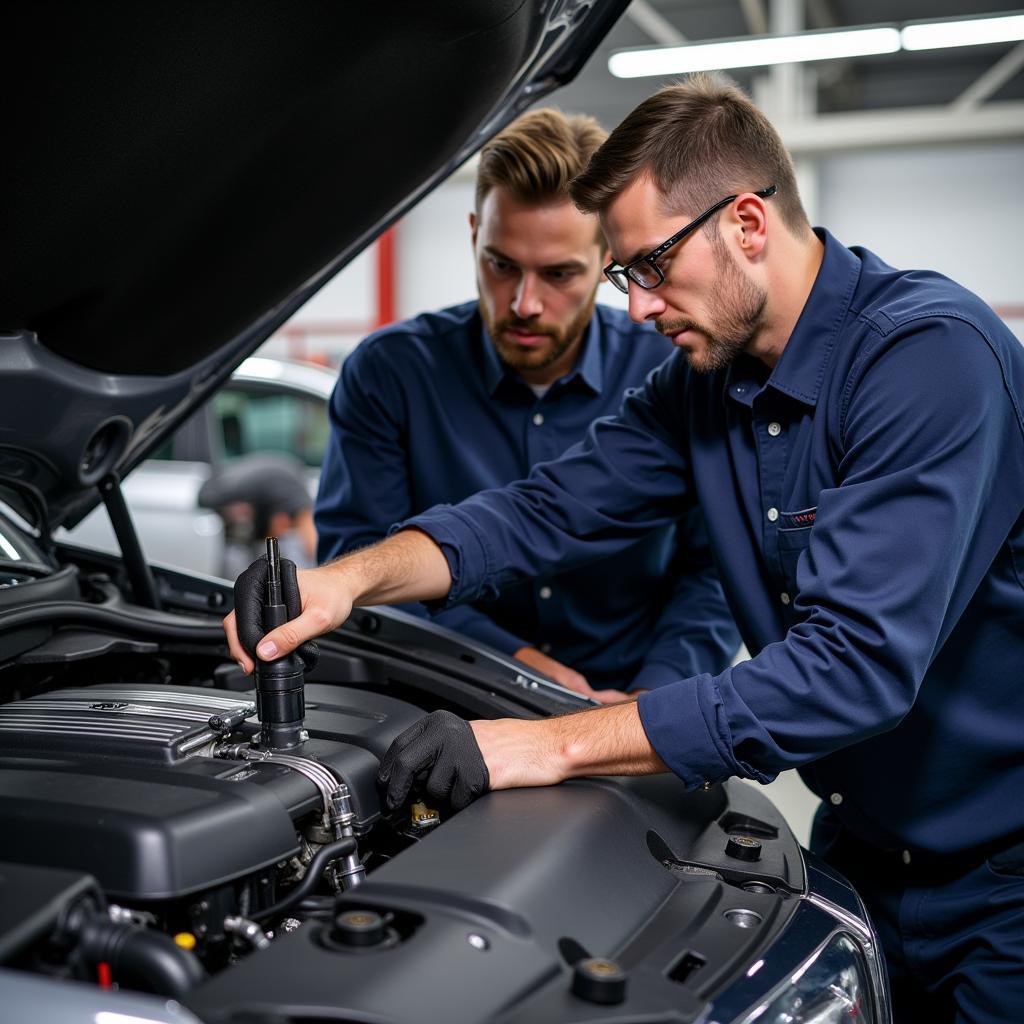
971, 32
756, 51
759, 51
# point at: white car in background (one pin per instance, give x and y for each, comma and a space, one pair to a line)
267, 405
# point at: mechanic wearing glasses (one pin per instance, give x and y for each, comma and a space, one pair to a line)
855, 435
450, 403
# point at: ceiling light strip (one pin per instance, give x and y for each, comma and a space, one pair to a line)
753, 52
937, 35
762, 51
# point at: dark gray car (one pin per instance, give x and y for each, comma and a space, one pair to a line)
177, 180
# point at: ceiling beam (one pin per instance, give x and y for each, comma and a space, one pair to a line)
910, 126
656, 25
991, 81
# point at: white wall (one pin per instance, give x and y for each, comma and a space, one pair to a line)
955, 209
435, 261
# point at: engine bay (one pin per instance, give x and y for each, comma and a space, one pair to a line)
158, 837
158, 794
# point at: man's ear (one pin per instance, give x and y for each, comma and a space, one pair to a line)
472, 228
749, 217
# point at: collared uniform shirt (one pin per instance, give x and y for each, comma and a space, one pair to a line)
425, 412
864, 503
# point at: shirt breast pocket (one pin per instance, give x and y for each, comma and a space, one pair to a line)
793, 541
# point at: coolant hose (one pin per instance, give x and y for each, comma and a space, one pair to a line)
317, 866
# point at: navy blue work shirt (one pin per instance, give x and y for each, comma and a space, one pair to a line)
425, 412
864, 503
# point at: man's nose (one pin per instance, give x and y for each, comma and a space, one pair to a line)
527, 301
644, 304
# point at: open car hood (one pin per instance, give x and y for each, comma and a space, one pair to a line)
178, 179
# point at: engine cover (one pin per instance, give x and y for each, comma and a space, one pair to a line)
117, 781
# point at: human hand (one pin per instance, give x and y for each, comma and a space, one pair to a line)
568, 677
614, 696
561, 674
318, 600
440, 746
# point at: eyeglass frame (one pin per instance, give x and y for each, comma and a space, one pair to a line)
657, 252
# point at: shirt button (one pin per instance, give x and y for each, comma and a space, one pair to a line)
905, 856
740, 389
538, 418
773, 514
545, 593
775, 429
784, 597
545, 648
836, 799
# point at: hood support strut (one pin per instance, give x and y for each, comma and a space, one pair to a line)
139, 574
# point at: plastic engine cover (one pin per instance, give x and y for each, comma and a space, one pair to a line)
105, 780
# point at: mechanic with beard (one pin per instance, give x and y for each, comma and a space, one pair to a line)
856, 437
437, 408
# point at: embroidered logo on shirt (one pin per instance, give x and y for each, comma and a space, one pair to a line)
796, 520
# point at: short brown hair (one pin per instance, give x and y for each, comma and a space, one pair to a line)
537, 155
699, 140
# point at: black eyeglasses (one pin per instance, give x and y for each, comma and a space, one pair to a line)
645, 270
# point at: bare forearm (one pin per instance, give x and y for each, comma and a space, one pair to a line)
599, 741
408, 566
606, 741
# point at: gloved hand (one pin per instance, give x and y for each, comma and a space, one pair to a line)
250, 594
442, 747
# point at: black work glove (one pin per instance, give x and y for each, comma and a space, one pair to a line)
250, 595
442, 747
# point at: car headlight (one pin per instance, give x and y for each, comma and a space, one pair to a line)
830, 987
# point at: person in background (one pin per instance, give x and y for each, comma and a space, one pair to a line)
260, 495
450, 403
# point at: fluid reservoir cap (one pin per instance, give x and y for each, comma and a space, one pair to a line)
359, 928
743, 848
599, 981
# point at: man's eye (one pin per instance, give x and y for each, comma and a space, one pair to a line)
500, 266
560, 275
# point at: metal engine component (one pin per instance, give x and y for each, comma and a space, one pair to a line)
337, 816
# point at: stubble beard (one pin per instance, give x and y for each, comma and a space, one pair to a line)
519, 358
742, 311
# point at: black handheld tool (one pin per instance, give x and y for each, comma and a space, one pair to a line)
280, 684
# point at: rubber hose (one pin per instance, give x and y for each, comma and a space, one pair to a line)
317, 866
140, 959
